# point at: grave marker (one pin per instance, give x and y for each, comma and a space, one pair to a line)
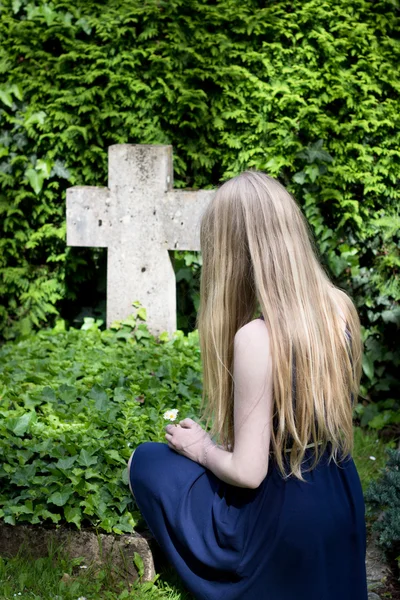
138, 218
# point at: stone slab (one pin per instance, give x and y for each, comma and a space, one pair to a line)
377, 569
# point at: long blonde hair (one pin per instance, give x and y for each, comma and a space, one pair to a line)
258, 255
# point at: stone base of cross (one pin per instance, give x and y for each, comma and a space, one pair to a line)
138, 217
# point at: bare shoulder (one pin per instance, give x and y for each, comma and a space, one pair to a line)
253, 335
252, 354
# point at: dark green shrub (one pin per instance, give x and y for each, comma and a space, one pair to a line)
383, 495
187, 267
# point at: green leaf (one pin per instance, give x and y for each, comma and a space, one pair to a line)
392, 316
16, 5
130, 322
337, 264
164, 336
35, 179
68, 393
87, 459
20, 509
98, 394
299, 177
22, 424
60, 498
125, 476
383, 419
115, 456
142, 332
142, 314
84, 24
60, 170
44, 167
368, 366
369, 413
312, 171
42, 514
66, 463
48, 394
73, 514
137, 559
9, 519
36, 117
6, 98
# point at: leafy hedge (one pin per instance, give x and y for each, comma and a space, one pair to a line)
303, 89
74, 404
383, 497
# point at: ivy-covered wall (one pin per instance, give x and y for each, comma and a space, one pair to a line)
306, 90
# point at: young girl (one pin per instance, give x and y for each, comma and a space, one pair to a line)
275, 511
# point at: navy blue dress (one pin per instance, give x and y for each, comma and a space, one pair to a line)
285, 540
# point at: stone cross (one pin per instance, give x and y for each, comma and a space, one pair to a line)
138, 217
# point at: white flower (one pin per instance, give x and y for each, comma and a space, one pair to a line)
372, 458
171, 414
83, 567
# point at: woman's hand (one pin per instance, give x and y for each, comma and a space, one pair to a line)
189, 439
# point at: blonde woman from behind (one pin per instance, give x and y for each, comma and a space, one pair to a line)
267, 504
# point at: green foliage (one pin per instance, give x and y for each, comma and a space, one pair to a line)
384, 496
305, 90
74, 405
379, 416
187, 267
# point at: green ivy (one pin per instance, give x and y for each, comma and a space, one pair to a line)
74, 404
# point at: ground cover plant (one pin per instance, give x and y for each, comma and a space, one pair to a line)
74, 404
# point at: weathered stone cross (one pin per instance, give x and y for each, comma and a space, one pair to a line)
138, 217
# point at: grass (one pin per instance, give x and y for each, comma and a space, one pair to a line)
57, 577
369, 455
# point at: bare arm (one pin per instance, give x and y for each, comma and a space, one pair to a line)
247, 465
